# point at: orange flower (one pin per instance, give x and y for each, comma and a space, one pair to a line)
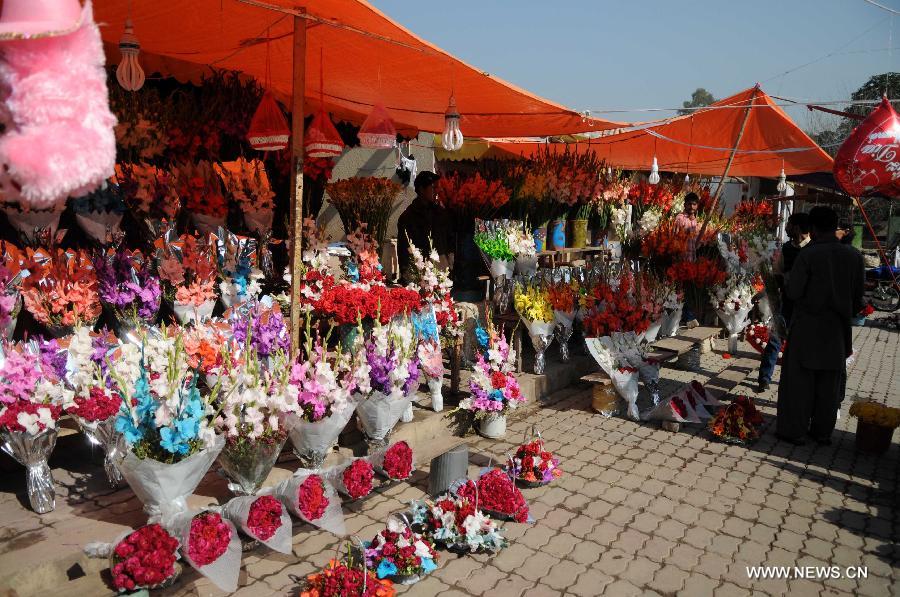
62, 288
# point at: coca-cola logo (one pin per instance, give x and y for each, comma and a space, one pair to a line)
867, 162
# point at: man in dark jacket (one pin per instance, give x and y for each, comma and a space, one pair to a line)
425, 222
826, 286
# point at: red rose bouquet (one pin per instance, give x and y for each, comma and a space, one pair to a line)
145, 559
399, 553
534, 465
263, 518
311, 499
344, 580
355, 481
210, 543
497, 495
396, 463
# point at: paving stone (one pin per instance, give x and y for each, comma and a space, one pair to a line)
669, 579
538, 566
513, 585
590, 583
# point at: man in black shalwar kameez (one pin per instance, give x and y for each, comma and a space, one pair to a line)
826, 285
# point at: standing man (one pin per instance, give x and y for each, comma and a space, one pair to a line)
798, 233
687, 220
826, 285
425, 222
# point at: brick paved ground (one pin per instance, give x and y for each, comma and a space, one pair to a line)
644, 511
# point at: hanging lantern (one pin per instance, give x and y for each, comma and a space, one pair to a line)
452, 139
129, 72
654, 172
322, 139
269, 128
782, 182
378, 131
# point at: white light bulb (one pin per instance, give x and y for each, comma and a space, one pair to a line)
129, 72
687, 180
452, 139
782, 182
654, 172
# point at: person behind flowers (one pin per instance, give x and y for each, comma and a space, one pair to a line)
798, 232
826, 287
687, 220
424, 222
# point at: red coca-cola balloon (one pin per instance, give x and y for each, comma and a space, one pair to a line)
868, 162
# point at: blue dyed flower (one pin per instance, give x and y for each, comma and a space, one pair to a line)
428, 565
496, 396
482, 337
172, 441
425, 325
127, 428
352, 271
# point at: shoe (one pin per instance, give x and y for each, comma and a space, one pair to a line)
761, 386
797, 441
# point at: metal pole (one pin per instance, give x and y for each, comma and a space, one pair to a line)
737, 142
296, 219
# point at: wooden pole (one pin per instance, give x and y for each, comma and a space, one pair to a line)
737, 142
296, 214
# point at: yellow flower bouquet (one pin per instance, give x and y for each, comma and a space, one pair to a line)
533, 306
876, 414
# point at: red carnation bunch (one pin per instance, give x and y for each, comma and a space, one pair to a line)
264, 518
143, 559
9, 418
357, 479
346, 303
209, 538
497, 493
311, 500
99, 405
398, 461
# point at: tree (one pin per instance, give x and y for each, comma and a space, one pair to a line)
699, 99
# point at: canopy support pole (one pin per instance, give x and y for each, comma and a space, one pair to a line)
737, 142
881, 252
296, 216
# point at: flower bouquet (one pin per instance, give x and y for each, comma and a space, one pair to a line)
534, 308
262, 518
96, 402
457, 524
235, 257
736, 423
672, 309
399, 554
262, 330
364, 200
144, 559
128, 289
683, 407
562, 295
431, 360
11, 275
313, 499
36, 227
207, 349
392, 368
188, 273
353, 479
733, 302
202, 192
616, 308
695, 278
247, 183
32, 397
61, 291
496, 494
251, 414
324, 384
151, 194
522, 246
345, 303
434, 285
472, 196
171, 443
533, 466
492, 238
494, 389
339, 579
758, 336
211, 545
100, 213
875, 425
394, 463
621, 356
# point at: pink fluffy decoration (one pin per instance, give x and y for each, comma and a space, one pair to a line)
59, 139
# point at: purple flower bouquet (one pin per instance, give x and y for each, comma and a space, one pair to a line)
128, 289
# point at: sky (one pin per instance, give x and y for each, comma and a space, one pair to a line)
607, 55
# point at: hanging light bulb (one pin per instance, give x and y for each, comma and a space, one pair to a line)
687, 181
452, 139
654, 172
129, 73
782, 181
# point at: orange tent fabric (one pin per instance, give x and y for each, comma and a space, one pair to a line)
368, 59
701, 143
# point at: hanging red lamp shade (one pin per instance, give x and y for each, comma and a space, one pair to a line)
378, 131
322, 139
269, 129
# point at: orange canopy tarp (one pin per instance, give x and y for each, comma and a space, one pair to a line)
368, 59
700, 143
